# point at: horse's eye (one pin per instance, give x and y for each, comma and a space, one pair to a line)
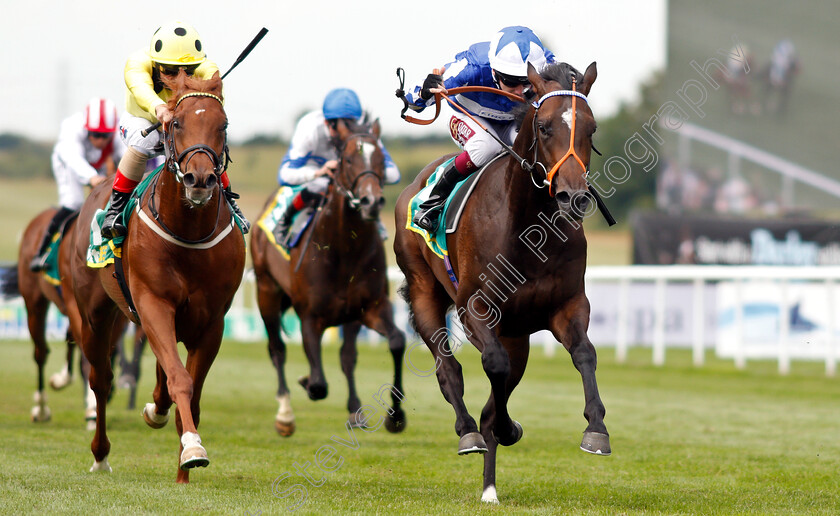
175, 123
543, 129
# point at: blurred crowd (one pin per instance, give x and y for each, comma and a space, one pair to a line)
708, 191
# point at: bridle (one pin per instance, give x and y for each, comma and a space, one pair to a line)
349, 191
549, 175
174, 158
174, 164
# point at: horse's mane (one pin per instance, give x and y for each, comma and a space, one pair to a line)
561, 73
184, 83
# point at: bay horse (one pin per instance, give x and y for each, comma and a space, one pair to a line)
519, 257
183, 260
341, 281
38, 293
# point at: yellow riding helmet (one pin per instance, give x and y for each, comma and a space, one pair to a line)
176, 44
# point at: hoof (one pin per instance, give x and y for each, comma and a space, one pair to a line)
596, 443
193, 455
284, 429
396, 422
489, 495
472, 442
101, 466
153, 419
355, 421
60, 380
41, 414
126, 381
517, 435
315, 391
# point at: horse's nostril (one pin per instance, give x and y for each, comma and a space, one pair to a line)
381, 202
366, 201
189, 180
564, 197
211, 181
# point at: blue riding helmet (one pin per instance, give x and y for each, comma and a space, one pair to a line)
342, 103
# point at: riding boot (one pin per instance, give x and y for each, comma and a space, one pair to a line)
231, 198
39, 261
111, 227
284, 223
429, 210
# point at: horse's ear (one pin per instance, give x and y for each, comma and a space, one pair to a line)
375, 128
216, 83
536, 80
589, 77
344, 131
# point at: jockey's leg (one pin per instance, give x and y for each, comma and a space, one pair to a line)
231, 199
309, 196
129, 173
38, 262
429, 210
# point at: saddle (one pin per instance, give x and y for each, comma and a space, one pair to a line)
267, 222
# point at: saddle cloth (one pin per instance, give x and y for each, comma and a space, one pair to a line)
269, 218
452, 208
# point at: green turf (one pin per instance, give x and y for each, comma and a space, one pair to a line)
695, 441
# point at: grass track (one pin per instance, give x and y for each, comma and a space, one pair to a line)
695, 441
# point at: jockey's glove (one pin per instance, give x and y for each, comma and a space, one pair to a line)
433, 80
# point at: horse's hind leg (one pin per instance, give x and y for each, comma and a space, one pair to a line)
349, 354
131, 368
569, 327
64, 377
382, 321
36, 319
272, 306
518, 350
97, 349
428, 305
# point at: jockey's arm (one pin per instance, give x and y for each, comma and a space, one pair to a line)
392, 173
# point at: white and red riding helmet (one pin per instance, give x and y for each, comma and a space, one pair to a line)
100, 116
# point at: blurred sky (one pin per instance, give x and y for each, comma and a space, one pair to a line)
57, 55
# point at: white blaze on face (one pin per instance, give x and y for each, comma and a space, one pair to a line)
366, 149
567, 117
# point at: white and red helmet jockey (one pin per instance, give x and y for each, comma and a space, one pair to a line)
100, 116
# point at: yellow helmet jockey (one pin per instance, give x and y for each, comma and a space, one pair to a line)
176, 44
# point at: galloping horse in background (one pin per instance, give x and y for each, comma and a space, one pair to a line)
519, 255
342, 281
37, 293
183, 259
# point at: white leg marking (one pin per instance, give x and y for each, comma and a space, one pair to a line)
489, 495
101, 466
285, 414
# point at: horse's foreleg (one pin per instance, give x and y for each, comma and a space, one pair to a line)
348, 355
518, 350
382, 321
272, 305
200, 357
312, 331
156, 414
569, 327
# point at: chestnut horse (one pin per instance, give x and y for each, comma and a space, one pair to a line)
341, 279
183, 259
519, 255
37, 293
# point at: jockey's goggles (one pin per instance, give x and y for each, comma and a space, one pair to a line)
172, 71
511, 81
98, 135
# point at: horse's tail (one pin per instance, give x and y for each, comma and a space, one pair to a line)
404, 293
9, 287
